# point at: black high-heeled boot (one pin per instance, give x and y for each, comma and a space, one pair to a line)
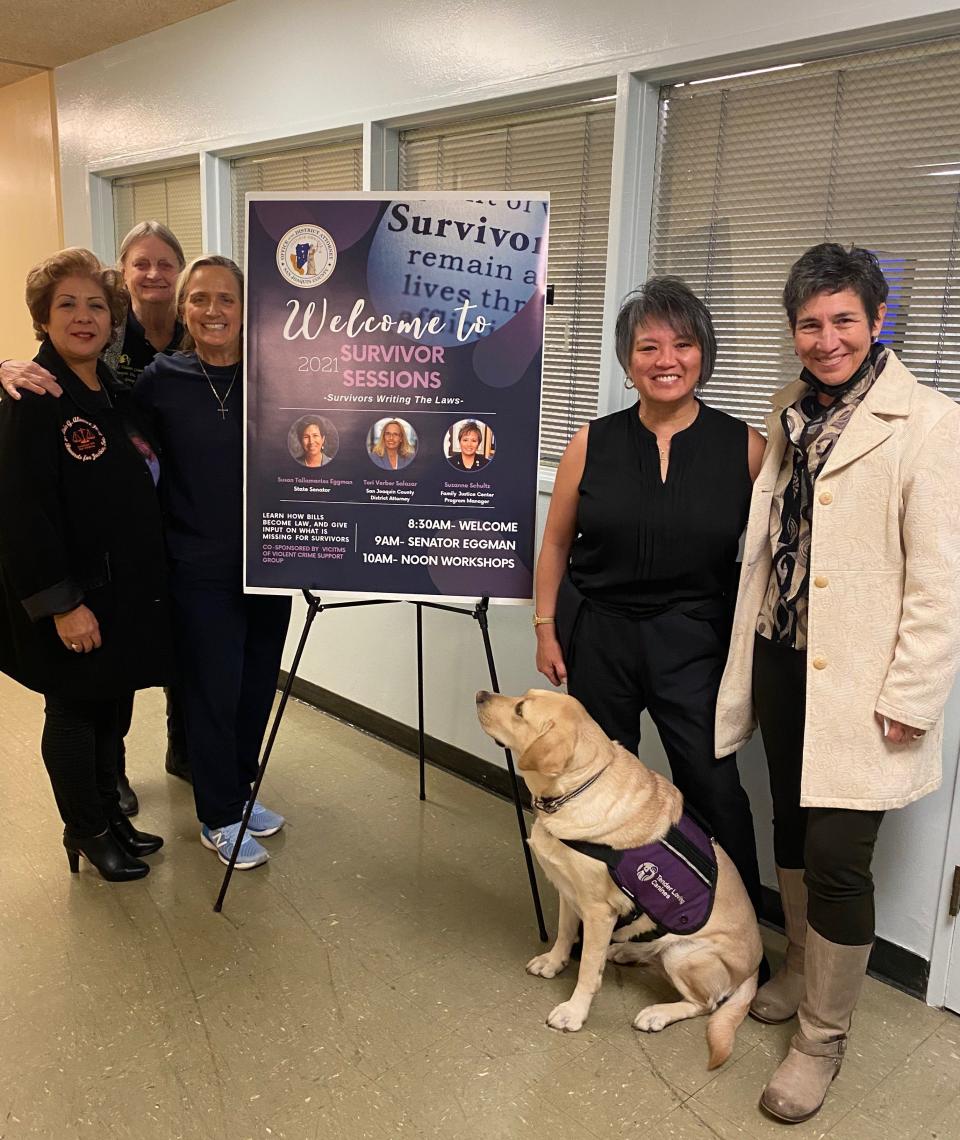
134, 842
105, 853
129, 804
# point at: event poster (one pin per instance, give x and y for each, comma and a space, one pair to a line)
394, 353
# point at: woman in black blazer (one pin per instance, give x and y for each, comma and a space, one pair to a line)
83, 608
468, 458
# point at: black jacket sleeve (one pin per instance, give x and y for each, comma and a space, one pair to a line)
32, 529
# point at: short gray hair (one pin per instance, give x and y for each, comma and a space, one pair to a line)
151, 229
672, 301
829, 268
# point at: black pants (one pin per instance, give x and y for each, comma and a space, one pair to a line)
80, 744
834, 846
176, 730
124, 720
176, 734
670, 665
228, 656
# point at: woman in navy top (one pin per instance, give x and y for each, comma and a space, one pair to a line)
637, 570
228, 644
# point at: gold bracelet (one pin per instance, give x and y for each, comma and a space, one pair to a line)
538, 620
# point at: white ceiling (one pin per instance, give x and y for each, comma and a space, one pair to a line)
36, 35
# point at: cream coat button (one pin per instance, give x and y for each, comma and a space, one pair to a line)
819, 662
820, 581
826, 498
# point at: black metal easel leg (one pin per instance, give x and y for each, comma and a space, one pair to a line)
420, 732
314, 608
480, 613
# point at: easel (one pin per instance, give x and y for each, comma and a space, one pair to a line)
314, 607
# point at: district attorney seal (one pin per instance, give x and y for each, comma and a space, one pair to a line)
306, 256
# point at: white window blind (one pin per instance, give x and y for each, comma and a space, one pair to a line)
168, 196
752, 171
331, 166
568, 151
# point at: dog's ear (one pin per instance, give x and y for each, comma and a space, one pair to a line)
547, 754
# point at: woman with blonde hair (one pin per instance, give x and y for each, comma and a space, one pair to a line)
392, 451
228, 643
82, 567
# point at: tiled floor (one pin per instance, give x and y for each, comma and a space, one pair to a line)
367, 983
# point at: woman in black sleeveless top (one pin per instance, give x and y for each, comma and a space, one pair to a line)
637, 571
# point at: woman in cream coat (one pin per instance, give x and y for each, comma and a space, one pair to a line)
845, 640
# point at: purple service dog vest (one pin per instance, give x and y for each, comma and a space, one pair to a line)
672, 881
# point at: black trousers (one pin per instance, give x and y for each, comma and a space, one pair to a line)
125, 719
228, 656
176, 730
176, 733
834, 846
80, 745
670, 665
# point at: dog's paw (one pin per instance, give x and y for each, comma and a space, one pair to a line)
623, 953
651, 1020
545, 966
566, 1017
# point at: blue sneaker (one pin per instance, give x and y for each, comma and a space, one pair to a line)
224, 839
263, 821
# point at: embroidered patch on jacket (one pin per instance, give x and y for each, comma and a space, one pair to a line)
83, 439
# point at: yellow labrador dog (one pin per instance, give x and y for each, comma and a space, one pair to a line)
587, 788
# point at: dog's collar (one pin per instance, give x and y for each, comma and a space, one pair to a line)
551, 804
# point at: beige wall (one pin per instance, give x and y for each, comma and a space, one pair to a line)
30, 220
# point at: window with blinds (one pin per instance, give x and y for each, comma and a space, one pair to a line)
331, 166
168, 196
568, 151
752, 171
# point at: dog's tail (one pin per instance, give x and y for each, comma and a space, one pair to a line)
725, 1019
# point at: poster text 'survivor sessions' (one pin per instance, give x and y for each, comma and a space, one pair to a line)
393, 365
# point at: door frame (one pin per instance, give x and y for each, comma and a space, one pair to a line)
943, 988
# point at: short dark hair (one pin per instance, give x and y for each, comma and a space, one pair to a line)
672, 301
310, 421
829, 268
43, 279
470, 426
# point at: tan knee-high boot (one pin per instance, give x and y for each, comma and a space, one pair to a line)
833, 978
780, 998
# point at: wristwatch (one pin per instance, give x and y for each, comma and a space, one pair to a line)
538, 620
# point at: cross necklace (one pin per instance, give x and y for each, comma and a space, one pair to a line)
223, 409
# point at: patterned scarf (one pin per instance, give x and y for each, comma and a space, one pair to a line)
813, 431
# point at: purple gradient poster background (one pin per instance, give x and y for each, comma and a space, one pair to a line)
394, 353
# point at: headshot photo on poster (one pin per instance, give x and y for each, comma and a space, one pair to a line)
469, 445
392, 444
313, 441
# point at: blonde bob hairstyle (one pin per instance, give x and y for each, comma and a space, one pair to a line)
43, 279
405, 450
151, 229
217, 261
